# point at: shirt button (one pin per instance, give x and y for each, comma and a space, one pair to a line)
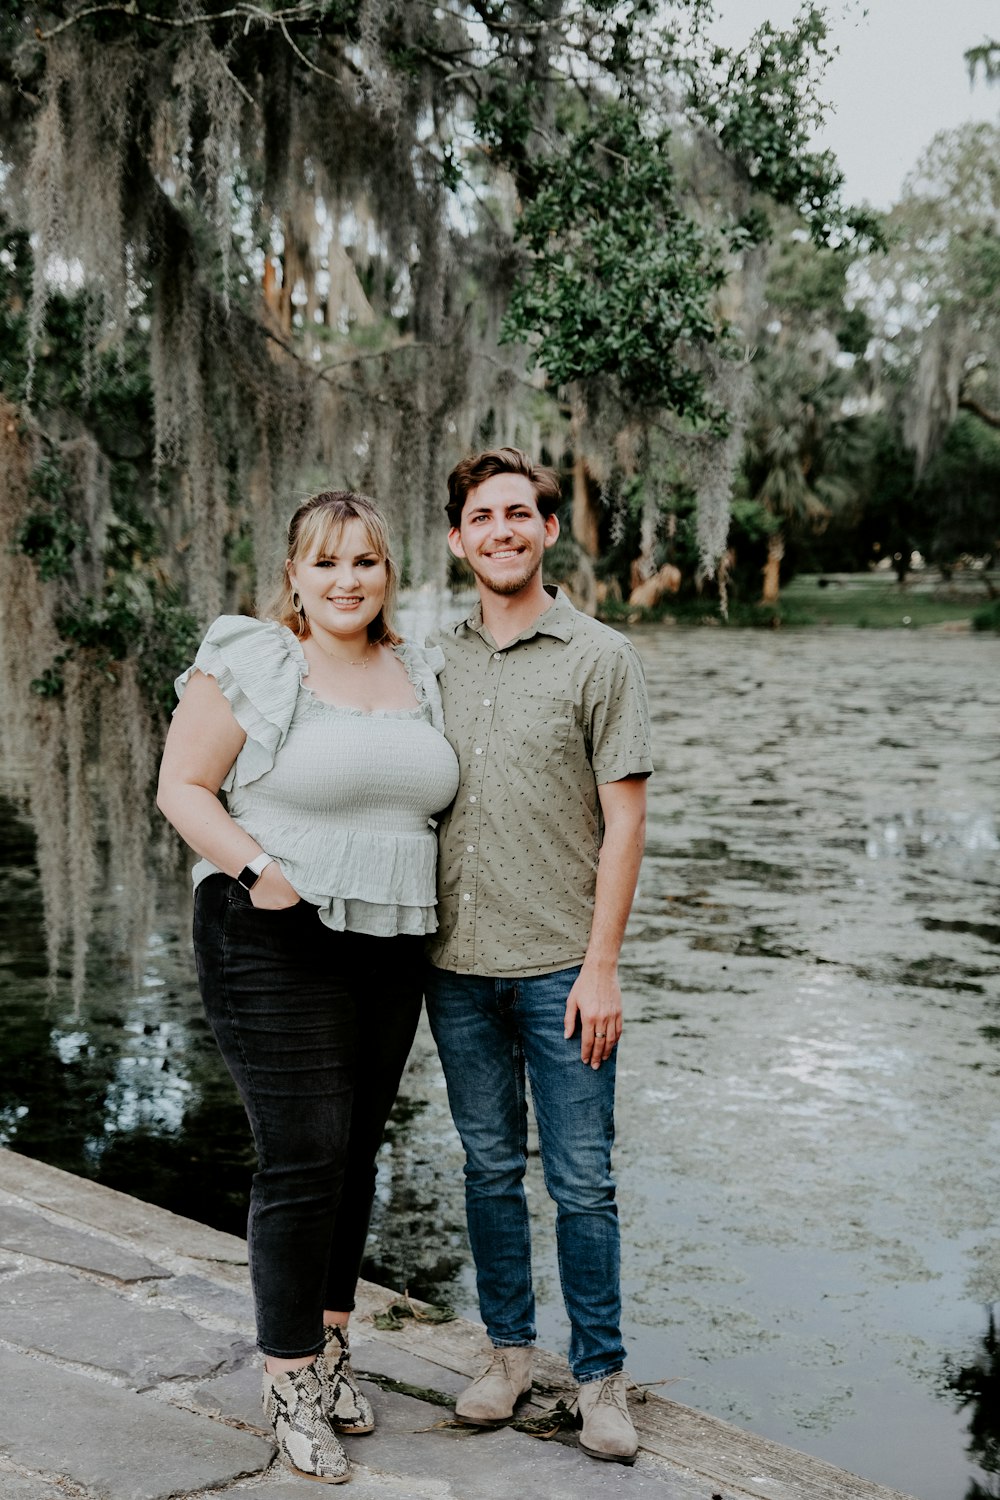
478, 750
466, 896
470, 848
473, 799
497, 655
487, 702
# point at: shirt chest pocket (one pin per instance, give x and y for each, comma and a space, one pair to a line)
532, 730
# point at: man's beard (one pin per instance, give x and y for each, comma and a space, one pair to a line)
507, 586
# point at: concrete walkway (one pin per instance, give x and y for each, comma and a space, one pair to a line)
128, 1372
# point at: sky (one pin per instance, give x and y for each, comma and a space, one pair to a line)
899, 78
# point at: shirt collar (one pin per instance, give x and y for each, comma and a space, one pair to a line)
556, 621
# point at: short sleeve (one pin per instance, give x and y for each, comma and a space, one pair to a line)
621, 741
259, 665
423, 666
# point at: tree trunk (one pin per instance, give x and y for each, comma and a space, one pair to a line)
772, 568
585, 519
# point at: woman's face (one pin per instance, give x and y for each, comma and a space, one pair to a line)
343, 588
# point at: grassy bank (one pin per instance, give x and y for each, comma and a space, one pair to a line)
861, 600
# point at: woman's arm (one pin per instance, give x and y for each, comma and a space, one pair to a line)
203, 741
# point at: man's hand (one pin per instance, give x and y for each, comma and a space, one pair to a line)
595, 998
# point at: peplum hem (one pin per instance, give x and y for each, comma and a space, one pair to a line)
385, 883
342, 915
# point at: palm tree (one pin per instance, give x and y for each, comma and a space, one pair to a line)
801, 450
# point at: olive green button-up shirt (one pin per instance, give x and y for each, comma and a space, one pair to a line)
537, 726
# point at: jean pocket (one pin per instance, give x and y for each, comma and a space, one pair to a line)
239, 901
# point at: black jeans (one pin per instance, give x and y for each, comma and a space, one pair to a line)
315, 1027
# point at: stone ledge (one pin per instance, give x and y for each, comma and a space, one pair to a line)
685, 1454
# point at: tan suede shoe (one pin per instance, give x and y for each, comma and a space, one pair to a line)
490, 1400
607, 1427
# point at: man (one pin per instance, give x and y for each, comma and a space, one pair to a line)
547, 711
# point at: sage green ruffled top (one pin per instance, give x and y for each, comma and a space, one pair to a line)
343, 799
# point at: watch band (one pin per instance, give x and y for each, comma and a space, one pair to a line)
251, 873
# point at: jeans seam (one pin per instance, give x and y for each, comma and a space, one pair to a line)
231, 1013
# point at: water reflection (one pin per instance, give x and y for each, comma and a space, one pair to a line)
127, 1086
977, 1386
913, 832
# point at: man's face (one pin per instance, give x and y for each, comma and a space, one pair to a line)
503, 535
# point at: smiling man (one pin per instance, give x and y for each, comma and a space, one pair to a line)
539, 857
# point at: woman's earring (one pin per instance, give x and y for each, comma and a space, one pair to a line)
297, 603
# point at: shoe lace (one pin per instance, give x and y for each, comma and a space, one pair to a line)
613, 1393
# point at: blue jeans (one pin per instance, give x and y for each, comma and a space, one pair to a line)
315, 1027
489, 1032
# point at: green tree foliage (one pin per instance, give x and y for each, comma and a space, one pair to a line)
115, 600
765, 106
959, 496
985, 57
807, 295
934, 298
803, 451
620, 283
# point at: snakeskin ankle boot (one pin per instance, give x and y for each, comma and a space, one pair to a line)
293, 1404
345, 1404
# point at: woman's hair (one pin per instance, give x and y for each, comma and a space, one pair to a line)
315, 531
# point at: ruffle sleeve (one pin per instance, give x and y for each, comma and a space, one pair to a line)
259, 665
423, 664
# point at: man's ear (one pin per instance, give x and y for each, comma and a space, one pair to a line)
455, 542
551, 530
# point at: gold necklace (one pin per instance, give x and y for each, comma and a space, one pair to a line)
362, 661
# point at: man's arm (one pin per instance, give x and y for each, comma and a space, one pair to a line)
596, 996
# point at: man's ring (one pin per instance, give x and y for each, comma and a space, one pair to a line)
600, 1035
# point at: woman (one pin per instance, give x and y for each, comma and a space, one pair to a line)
313, 896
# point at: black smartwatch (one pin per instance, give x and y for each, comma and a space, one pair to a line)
251, 873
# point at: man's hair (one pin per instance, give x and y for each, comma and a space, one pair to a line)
472, 472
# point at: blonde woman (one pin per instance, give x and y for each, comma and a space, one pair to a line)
314, 891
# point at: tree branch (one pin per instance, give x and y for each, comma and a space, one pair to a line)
240, 12
991, 418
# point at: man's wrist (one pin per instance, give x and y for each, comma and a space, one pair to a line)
604, 963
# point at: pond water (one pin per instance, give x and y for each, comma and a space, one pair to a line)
808, 1082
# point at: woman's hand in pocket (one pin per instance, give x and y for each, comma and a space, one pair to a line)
273, 891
